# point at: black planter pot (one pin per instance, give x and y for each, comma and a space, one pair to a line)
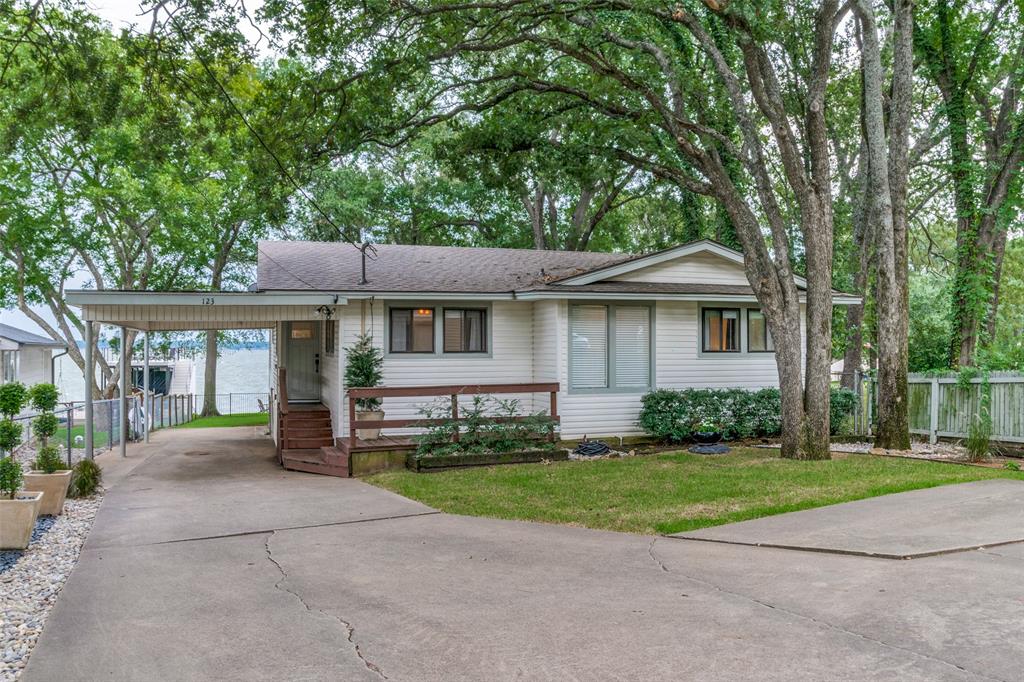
707, 437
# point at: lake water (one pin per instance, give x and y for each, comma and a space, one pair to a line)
238, 371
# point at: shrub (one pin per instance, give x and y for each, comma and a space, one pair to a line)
86, 477
48, 460
44, 397
10, 477
673, 415
364, 364
44, 426
10, 435
487, 424
12, 398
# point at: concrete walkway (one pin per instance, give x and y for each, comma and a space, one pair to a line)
209, 562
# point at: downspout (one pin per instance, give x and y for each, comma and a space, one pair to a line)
53, 364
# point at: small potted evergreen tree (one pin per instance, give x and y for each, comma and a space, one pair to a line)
48, 475
364, 364
19, 509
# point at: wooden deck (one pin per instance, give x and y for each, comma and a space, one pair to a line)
382, 444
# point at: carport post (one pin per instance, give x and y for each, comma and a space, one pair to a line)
90, 372
145, 386
123, 399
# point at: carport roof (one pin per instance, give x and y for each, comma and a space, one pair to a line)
197, 310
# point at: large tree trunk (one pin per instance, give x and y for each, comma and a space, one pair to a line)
815, 437
887, 170
210, 376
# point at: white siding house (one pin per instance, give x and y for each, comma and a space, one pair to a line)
607, 328
26, 357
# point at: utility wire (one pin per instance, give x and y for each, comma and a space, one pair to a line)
254, 132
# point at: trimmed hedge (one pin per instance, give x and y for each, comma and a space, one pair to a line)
671, 414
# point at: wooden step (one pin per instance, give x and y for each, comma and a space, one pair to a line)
306, 421
316, 461
314, 431
306, 442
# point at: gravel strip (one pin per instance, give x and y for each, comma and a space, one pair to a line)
30, 580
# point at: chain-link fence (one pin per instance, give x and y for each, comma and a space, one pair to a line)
236, 403
165, 411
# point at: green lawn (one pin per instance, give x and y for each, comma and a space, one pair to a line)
669, 493
99, 436
246, 419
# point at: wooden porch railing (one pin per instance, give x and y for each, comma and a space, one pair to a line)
282, 408
454, 391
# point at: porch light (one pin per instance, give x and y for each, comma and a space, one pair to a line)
424, 311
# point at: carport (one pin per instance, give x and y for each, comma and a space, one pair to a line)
153, 311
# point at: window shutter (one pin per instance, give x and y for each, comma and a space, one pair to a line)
588, 331
632, 347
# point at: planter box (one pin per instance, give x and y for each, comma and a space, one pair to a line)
369, 434
441, 462
18, 519
54, 488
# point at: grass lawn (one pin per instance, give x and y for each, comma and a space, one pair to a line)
670, 493
245, 419
99, 436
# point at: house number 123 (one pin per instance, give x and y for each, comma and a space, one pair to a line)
208, 300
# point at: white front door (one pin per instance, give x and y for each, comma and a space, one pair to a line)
302, 360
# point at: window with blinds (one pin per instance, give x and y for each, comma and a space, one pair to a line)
588, 332
610, 347
632, 347
465, 330
759, 339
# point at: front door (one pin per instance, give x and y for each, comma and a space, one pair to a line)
302, 360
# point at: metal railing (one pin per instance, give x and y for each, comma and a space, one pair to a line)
236, 403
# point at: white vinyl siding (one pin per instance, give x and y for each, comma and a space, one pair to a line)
706, 268
588, 326
632, 347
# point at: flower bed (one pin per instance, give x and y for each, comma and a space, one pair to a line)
30, 580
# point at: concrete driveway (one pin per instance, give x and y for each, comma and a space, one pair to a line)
208, 562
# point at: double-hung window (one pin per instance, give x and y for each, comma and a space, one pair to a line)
465, 330
412, 330
610, 347
8, 366
721, 333
759, 339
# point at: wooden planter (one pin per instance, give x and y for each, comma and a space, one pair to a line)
442, 462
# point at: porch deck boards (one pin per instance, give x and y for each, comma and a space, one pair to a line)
382, 444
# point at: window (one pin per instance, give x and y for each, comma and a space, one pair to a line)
7, 365
330, 337
721, 330
465, 330
412, 330
759, 339
610, 347
588, 329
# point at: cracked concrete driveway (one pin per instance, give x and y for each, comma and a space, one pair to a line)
222, 566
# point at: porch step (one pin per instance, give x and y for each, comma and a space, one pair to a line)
310, 430
326, 461
292, 442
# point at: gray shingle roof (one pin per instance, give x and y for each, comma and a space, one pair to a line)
26, 338
335, 266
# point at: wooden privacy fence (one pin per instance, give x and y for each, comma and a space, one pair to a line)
944, 406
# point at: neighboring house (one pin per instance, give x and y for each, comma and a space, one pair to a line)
26, 357
606, 327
